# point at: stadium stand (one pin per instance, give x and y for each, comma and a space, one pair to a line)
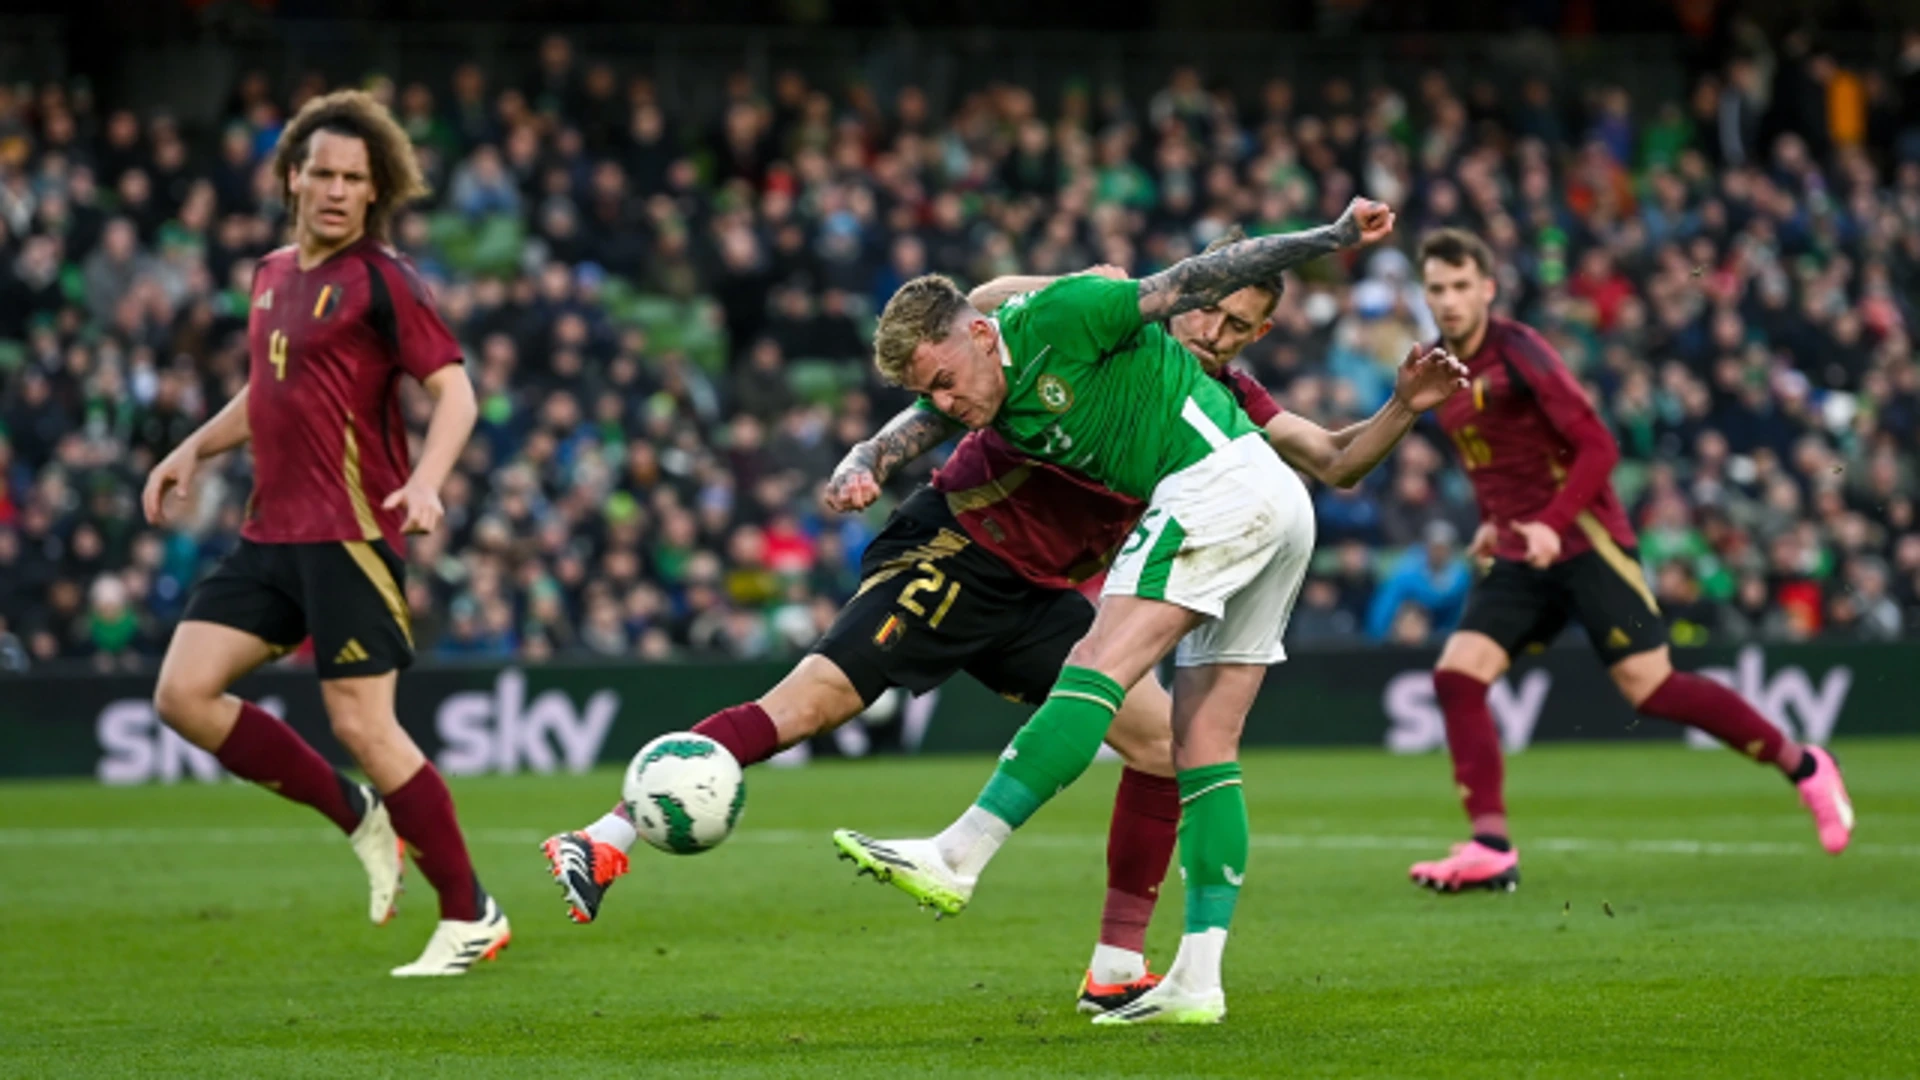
666, 317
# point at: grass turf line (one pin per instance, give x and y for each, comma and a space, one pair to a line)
217, 931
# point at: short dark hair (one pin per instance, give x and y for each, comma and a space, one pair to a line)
1456, 247
390, 158
1275, 285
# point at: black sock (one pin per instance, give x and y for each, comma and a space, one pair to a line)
1808, 765
355, 795
1490, 840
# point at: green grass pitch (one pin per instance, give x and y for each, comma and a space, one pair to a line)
1676, 918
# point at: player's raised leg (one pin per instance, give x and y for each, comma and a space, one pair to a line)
1654, 688
815, 697
203, 659
1140, 842
1048, 754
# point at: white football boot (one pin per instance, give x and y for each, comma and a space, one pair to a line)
383, 854
1170, 1003
913, 866
455, 946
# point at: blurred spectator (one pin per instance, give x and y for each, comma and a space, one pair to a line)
482, 187
1693, 618
1319, 618
1432, 578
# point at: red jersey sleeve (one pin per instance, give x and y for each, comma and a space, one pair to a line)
1253, 398
403, 310
1571, 414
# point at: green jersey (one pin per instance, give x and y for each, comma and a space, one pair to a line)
1093, 389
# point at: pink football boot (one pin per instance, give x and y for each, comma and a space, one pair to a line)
1825, 795
1473, 865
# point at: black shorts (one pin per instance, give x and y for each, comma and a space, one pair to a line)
933, 603
346, 595
1521, 607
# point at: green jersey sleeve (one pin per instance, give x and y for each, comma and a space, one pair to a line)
1083, 314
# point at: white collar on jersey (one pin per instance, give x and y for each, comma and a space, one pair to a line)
1006, 358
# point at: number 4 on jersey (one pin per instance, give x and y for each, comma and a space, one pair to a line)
277, 354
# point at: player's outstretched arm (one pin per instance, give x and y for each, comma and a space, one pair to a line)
454, 411
1210, 278
228, 428
988, 298
1427, 378
856, 481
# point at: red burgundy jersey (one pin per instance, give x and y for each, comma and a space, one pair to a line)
326, 350
1533, 445
1054, 527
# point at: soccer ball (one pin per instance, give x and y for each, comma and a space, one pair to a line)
685, 793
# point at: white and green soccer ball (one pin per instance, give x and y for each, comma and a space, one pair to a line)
685, 793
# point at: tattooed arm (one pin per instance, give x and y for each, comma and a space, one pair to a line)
1208, 279
856, 481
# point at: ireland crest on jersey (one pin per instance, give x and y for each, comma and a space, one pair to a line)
1054, 393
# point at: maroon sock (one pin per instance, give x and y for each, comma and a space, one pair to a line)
422, 810
1140, 842
1474, 741
267, 752
745, 730
1705, 704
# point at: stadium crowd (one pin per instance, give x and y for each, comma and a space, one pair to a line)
665, 318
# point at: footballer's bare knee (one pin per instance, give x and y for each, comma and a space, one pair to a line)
1639, 675
361, 713
201, 662
1474, 655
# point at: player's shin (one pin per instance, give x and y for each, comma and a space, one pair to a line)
263, 749
1140, 843
1050, 752
422, 810
1473, 741
746, 731
1214, 844
1718, 711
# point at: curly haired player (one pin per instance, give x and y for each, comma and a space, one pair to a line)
337, 318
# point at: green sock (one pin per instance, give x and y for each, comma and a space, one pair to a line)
1213, 843
1057, 744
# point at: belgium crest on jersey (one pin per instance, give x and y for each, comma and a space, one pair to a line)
1054, 393
327, 302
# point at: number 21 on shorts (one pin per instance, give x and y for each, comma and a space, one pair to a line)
932, 579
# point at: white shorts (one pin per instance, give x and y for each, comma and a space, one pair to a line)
1229, 537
